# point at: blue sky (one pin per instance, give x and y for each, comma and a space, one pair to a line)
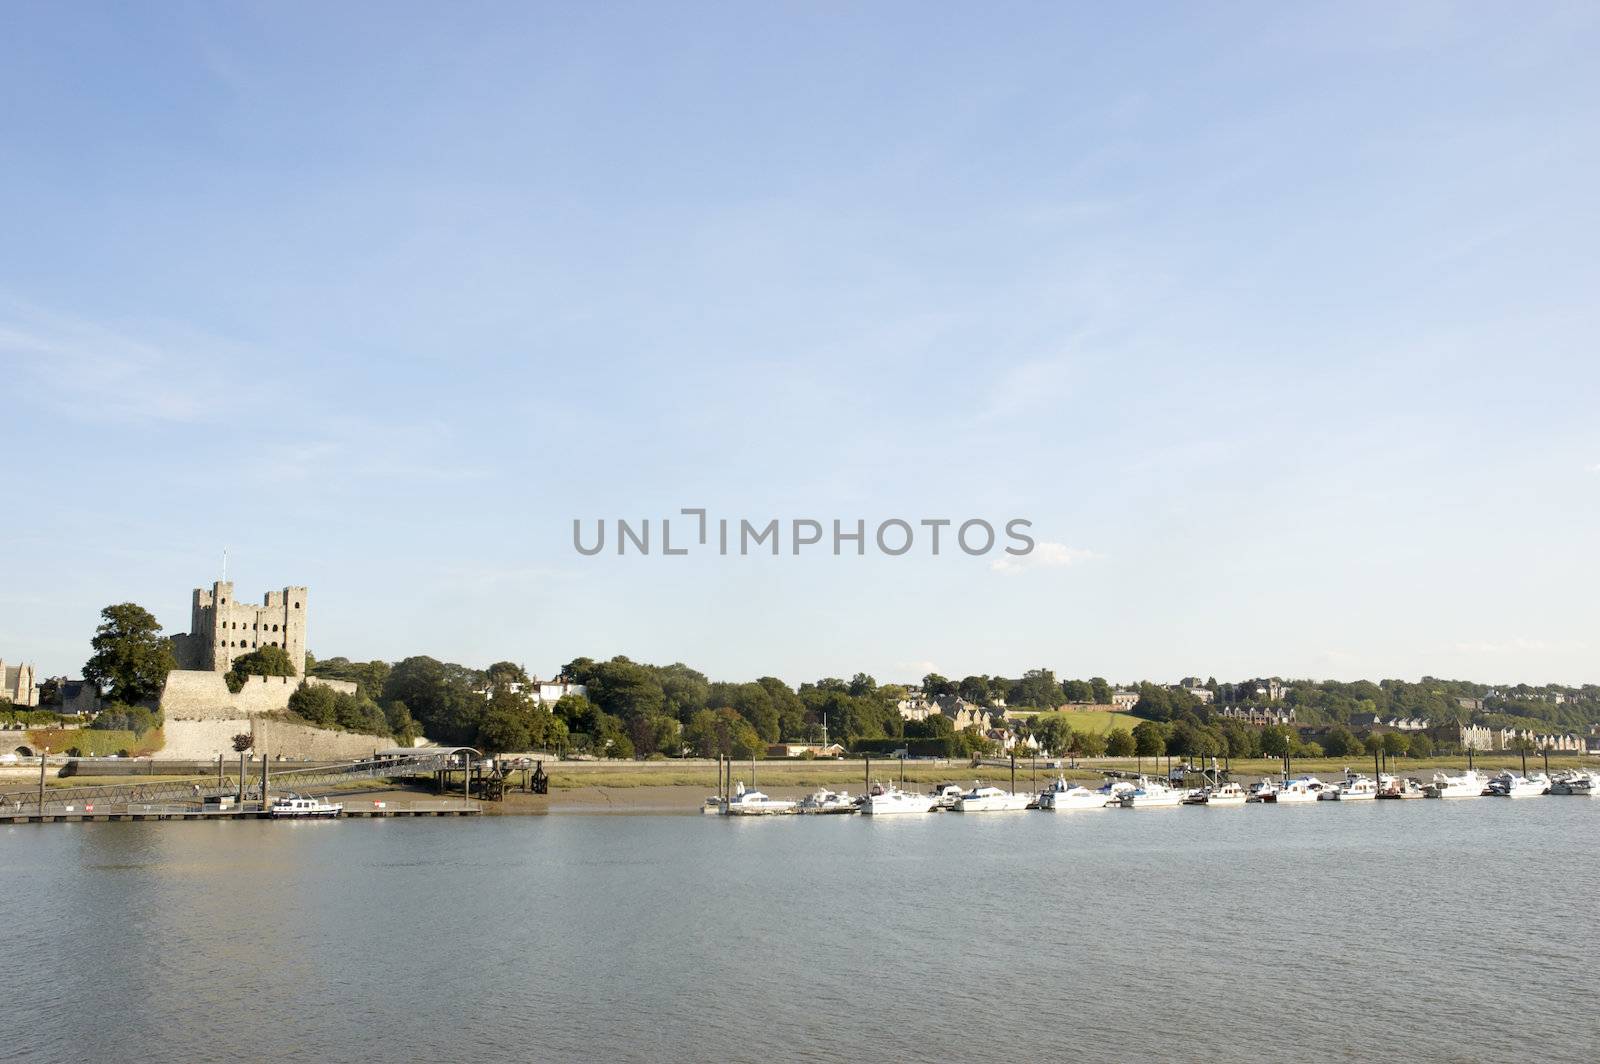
1276, 320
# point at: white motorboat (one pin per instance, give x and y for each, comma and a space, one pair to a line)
292, 806
1061, 796
1226, 794
946, 795
823, 800
1354, 788
891, 799
1265, 791
1574, 782
1399, 787
1467, 785
991, 800
1151, 794
1510, 785
754, 803
1304, 789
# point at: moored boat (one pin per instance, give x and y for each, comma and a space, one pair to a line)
1304, 789
991, 800
885, 801
1574, 782
1062, 796
1510, 785
294, 807
752, 802
1467, 785
823, 801
1354, 788
1152, 794
1226, 794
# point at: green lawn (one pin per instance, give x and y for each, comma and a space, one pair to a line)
1093, 721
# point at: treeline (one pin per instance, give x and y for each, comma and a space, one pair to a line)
1188, 736
1325, 703
633, 709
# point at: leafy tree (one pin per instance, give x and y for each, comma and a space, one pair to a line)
1341, 742
862, 685
723, 731
1419, 745
1037, 688
1091, 744
1276, 740
1121, 743
683, 690
368, 675
1395, 744
506, 675
974, 689
1149, 739
314, 703
625, 689
936, 686
504, 729
131, 658
401, 724
1372, 743
119, 717
263, 661
1100, 690
445, 699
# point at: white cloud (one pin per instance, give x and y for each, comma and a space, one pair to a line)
1045, 555
1595, 468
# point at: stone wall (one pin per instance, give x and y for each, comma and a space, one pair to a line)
192, 695
202, 740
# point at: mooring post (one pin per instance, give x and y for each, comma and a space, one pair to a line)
1013, 771
1376, 771
1546, 751
868, 783
263, 776
1525, 759
44, 753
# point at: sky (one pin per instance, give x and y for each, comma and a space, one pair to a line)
1277, 322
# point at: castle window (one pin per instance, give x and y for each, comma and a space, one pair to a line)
297, 605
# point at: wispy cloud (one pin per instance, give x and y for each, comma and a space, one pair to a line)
1045, 555
86, 370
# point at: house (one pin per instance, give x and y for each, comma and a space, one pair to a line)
803, 749
17, 685
1124, 699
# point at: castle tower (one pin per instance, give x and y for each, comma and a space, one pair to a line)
221, 628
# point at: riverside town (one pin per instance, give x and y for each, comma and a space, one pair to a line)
216, 721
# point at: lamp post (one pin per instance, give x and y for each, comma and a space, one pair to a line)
44, 754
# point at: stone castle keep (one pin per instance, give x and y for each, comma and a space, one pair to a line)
202, 715
222, 628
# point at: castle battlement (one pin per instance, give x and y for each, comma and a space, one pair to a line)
221, 628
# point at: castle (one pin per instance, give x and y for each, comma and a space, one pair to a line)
221, 628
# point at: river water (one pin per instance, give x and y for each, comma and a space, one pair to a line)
1408, 931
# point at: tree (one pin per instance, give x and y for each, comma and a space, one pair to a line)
1149, 739
1372, 742
1120, 743
1341, 742
974, 689
1276, 740
1037, 688
625, 689
440, 696
131, 658
1395, 744
936, 686
263, 661
504, 729
314, 703
1419, 745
